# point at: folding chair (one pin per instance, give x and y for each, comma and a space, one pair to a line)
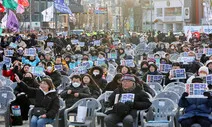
92, 107
172, 84
156, 86
6, 97
64, 83
164, 111
56, 120
6, 88
177, 89
169, 94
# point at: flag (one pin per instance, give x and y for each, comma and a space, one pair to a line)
10, 4
4, 21
12, 22
20, 9
62, 7
48, 14
1, 8
24, 3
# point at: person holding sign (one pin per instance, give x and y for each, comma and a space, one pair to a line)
126, 100
152, 71
31, 60
197, 110
209, 65
169, 76
97, 73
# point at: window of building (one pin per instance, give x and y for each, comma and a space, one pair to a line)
159, 12
36, 6
35, 18
174, 11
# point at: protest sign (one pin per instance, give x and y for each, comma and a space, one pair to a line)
8, 52
30, 52
128, 63
7, 61
186, 60
208, 51
50, 44
154, 78
58, 67
13, 45
209, 79
97, 43
37, 71
74, 42
112, 55
196, 90
164, 68
127, 97
81, 44
178, 74
99, 63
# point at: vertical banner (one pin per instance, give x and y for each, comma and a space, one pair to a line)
12, 22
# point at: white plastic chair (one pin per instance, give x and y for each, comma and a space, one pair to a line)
163, 108
92, 107
172, 84
156, 86
177, 89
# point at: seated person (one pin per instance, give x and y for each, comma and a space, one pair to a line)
197, 110
73, 93
126, 112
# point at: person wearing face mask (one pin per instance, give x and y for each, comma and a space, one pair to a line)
68, 49
73, 93
144, 68
97, 73
202, 72
22, 99
54, 74
129, 51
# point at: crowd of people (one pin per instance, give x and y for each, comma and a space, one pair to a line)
99, 63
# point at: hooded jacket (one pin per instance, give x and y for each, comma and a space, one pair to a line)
49, 100
98, 79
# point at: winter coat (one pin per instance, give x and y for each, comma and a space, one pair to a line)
141, 100
56, 77
111, 86
196, 107
49, 100
135, 40
70, 99
95, 92
32, 63
11, 73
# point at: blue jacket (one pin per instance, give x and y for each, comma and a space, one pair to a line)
196, 107
32, 63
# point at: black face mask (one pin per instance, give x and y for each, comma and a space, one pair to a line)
27, 80
144, 69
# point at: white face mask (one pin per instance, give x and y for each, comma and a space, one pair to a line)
172, 47
75, 84
49, 68
95, 73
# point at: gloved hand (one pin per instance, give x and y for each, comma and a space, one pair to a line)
185, 94
122, 109
207, 94
4, 67
130, 104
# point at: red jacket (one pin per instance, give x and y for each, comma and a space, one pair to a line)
9, 73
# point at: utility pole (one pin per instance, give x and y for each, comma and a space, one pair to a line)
30, 15
151, 13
